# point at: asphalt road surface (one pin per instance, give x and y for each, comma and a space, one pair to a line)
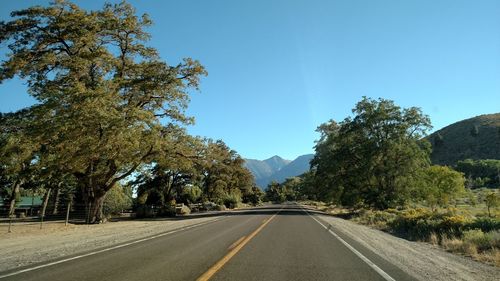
278, 242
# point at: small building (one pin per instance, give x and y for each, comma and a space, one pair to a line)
27, 206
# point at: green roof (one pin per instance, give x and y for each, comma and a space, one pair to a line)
26, 201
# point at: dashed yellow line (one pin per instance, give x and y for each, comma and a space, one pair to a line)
237, 247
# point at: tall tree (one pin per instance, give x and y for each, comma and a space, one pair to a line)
372, 158
441, 185
105, 98
222, 172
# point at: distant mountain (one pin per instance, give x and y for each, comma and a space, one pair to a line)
474, 138
265, 168
276, 163
277, 168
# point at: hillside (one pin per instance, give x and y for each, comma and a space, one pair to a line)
474, 138
277, 168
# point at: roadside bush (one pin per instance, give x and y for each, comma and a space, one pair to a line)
380, 219
183, 210
220, 208
482, 241
166, 211
485, 224
208, 206
420, 224
231, 200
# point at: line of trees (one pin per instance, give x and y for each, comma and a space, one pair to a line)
378, 159
108, 110
480, 173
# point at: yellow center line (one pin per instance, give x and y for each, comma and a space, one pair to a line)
217, 266
236, 243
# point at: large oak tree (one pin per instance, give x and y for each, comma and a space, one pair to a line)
374, 158
107, 103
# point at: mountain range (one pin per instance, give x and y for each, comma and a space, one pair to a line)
277, 168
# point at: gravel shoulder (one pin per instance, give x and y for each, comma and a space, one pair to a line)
27, 244
421, 260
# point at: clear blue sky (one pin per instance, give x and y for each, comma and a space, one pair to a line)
278, 69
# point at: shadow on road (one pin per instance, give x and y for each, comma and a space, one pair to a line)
281, 210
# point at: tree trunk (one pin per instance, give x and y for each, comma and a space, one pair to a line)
45, 202
15, 191
94, 209
56, 199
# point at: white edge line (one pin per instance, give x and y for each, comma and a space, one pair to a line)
361, 256
109, 249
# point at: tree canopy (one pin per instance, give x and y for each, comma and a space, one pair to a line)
107, 103
372, 158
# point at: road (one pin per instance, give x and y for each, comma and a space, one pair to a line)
278, 242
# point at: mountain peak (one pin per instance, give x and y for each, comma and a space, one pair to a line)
277, 168
274, 157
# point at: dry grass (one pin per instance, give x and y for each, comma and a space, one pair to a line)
452, 244
469, 249
473, 245
434, 239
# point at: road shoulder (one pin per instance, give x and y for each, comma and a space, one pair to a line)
421, 260
55, 241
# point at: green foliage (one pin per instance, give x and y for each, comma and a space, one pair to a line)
420, 224
232, 200
221, 172
192, 194
438, 140
482, 240
253, 196
117, 199
376, 218
480, 173
275, 193
485, 224
286, 191
373, 159
106, 103
492, 200
198, 170
441, 185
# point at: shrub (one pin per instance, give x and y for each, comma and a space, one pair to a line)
452, 225
420, 224
476, 237
376, 218
231, 200
220, 208
415, 224
183, 210
208, 206
485, 224
452, 244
